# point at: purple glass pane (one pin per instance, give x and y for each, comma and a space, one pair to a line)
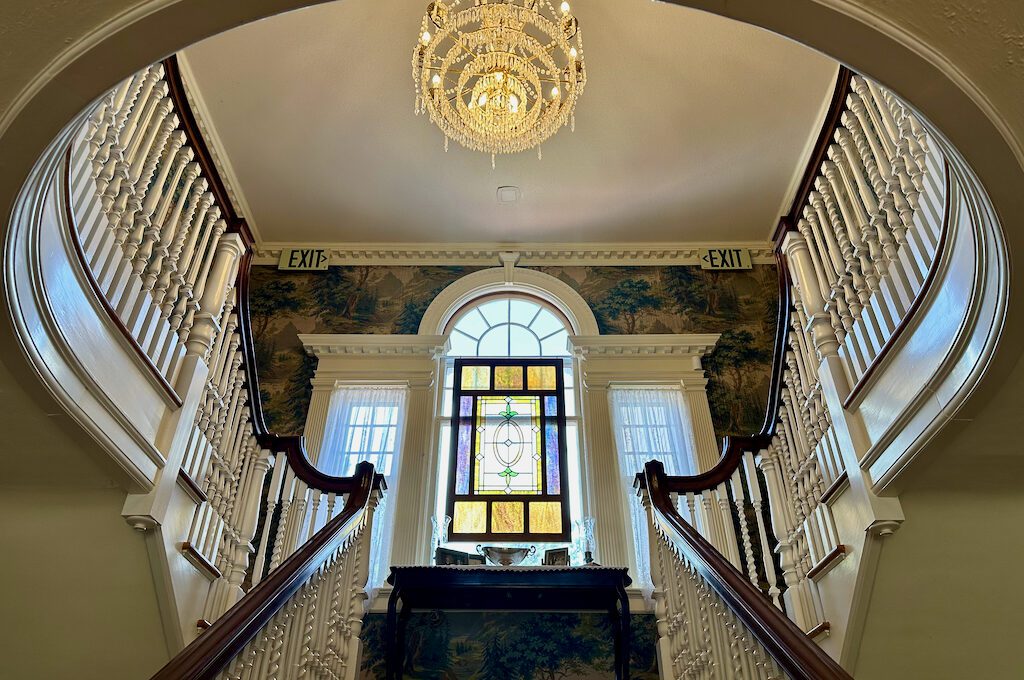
462, 457
554, 474
463, 445
551, 406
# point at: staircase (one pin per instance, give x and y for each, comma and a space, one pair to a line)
742, 557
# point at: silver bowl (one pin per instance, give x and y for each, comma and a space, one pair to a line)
505, 557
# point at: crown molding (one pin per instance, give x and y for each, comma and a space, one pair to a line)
375, 345
699, 345
530, 254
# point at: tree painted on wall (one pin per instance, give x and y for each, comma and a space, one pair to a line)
735, 355
695, 290
628, 300
276, 297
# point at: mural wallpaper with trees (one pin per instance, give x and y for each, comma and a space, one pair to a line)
740, 305
372, 300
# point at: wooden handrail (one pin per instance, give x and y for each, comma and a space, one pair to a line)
294, 447
218, 645
733, 447
833, 118
795, 653
214, 649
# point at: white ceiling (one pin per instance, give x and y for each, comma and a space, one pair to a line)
692, 128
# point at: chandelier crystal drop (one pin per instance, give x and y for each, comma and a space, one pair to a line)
499, 76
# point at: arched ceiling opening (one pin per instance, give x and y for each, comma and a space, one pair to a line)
692, 128
942, 60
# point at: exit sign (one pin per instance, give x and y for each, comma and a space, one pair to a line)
725, 258
304, 259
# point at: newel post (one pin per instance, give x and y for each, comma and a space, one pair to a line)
799, 256
223, 270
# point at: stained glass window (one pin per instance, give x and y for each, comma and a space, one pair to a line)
509, 462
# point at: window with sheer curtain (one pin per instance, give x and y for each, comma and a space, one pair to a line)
367, 423
650, 423
363, 423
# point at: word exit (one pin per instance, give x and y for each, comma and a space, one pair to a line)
725, 258
304, 259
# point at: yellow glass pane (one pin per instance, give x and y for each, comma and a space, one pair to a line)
470, 517
476, 377
508, 377
545, 518
541, 377
507, 518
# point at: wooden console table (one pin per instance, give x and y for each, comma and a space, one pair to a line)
567, 589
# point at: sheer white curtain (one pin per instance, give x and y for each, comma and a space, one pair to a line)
363, 423
367, 423
650, 423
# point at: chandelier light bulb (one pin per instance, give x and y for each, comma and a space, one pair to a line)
574, 53
555, 92
565, 8
436, 80
425, 38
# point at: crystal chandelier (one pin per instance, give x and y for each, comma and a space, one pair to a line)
500, 76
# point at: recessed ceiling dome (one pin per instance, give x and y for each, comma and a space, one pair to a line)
692, 128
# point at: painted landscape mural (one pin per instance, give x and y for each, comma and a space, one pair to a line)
510, 646
283, 305
740, 305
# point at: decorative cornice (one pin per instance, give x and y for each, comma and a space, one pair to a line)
375, 345
643, 345
530, 254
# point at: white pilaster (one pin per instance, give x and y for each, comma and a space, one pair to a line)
708, 451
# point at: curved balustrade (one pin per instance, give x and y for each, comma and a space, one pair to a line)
712, 623
169, 258
861, 244
862, 241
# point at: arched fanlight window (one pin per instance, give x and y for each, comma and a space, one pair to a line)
511, 422
509, 327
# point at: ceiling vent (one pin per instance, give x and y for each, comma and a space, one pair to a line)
509, 195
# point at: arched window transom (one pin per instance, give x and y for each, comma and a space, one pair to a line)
509, 327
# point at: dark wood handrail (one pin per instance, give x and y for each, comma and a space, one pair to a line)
732, 457
214, 649
217, 646
833, 118
795, 653
733, 447
293, 446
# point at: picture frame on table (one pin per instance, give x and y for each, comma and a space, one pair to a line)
556, 557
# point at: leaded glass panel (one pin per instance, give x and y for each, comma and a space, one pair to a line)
508, 444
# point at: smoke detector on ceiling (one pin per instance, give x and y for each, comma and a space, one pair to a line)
509, 195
